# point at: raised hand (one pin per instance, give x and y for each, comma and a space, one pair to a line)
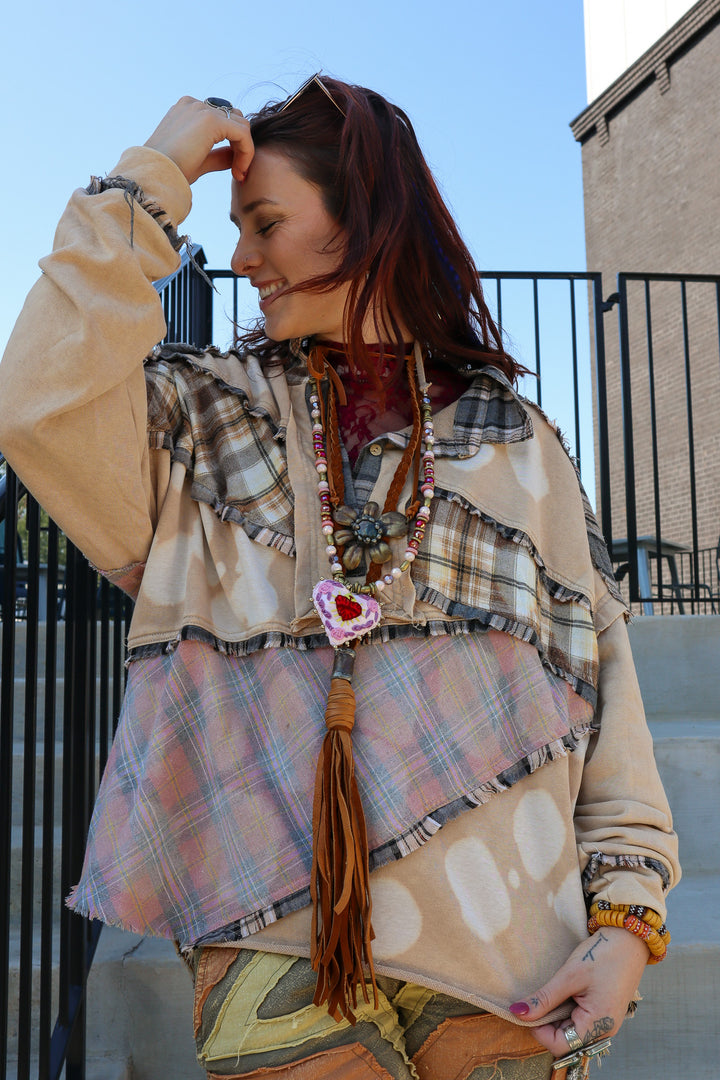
202, 139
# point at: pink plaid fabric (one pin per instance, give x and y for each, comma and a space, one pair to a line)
204, 815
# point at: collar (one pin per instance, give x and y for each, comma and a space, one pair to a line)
490, 411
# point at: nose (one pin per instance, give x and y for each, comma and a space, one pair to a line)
244, 259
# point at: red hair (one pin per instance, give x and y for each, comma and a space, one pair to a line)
402, 246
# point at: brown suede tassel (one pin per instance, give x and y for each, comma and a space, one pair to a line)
340, 880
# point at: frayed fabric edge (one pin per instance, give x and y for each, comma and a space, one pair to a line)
600, 860
95, 913
276, 639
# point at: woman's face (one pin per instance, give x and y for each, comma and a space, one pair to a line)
287, 236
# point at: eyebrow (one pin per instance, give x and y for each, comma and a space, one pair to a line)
262, 201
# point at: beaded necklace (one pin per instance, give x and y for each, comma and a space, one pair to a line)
367, 528
339, 883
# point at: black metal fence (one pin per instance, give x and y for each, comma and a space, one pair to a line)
663, 424
62, 680
63, 630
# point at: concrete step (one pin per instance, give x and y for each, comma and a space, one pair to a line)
94, 1070
20, 631
13, 994
18, 781
140, 1004
21, 634
676, 1031
59, 685
688, 757
16, 853
678, 664
19, 706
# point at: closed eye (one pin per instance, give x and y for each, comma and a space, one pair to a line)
266, 228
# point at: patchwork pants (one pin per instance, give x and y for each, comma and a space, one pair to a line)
254, 1018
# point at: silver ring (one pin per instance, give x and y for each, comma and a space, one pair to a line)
220, 103
572, 1038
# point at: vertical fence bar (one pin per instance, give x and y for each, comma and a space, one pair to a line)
654, 437
536, 317
75, 806
7, 709
576, 382
27, 876
72, 942
691, 443
628, 444
603, 438
48, 817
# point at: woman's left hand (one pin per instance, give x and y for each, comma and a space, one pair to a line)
601, 977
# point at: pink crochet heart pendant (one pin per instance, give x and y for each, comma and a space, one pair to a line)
344, 614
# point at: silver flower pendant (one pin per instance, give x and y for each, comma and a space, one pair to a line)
368, 531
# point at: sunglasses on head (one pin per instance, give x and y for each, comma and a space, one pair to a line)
314, 80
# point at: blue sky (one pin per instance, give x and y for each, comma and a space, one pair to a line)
490, 86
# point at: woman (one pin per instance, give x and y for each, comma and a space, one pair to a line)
361, 474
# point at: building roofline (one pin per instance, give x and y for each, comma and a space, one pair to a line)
652, 65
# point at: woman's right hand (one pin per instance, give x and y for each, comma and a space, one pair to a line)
189, 135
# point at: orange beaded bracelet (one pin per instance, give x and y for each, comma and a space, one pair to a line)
645, 913
604, 914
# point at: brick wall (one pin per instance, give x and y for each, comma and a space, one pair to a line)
651, 173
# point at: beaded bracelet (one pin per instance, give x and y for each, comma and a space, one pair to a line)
656, 944
645, 913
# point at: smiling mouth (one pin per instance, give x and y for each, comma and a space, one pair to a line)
267, 292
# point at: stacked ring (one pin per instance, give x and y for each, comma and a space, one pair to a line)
220, 103
573, 1039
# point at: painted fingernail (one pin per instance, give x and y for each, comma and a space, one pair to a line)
519, 1008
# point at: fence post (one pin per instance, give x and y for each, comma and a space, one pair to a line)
628, 445
599, 310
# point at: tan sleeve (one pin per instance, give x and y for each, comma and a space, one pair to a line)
623, 824
72, 389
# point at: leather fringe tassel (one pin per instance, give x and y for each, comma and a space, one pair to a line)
340, 885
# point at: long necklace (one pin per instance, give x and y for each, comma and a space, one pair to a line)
339, 883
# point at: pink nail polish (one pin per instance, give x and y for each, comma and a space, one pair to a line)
519, 1008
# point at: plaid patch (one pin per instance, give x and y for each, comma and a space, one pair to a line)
472, 567
232, 451
490, 411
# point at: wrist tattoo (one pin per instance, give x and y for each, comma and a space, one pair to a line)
600, 937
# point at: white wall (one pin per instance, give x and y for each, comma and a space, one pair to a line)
617, 32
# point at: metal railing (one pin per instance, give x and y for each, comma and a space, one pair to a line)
60, 692
666, 421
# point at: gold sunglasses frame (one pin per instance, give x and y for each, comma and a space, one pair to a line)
308, 83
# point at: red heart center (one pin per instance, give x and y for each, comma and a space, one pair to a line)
347, 608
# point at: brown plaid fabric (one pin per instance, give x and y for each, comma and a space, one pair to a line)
223, 442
